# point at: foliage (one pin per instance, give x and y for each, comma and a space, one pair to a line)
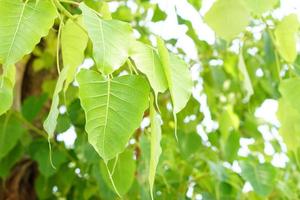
125, 107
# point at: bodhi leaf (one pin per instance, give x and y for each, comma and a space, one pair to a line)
258, 7
178, 78
247, 84
7, 82
286, 37
122, 169
227, 18
289, 112
22, 25
262, 177
147, 61
10, 132
73, 41
155, 144
111, 40
51, 120
73, 44
114, 109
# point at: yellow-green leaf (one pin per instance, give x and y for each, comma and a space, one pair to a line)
147, 61
155, 144
258, 7
247, 84
228, 18
73, 44
286, 37
289, 112
22, 25
111, 40
7, 82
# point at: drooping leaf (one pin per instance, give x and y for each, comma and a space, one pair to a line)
247, 84
147, 61
7, 82
227, 18
113, 108
22, 25
73, 44
51, 120
155, 144
289, 112
73, 41
178, 77
262, 177
111, 40
258, 7
122, 172
10, 132
286, 37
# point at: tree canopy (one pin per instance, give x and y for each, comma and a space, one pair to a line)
97, 103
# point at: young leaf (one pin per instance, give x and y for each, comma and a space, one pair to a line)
289, 112
7, 82
247, 84
10, 132
155, 144
73, 41
261, 176
111, 40
228, 18
51, 120
22, 25
147, 61
258, 7
73, 44
178, 77
122, 171
286, 37
114, 109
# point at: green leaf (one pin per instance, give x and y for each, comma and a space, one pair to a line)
155, 144
111, 40
122, 170
73, 41
73, 44
247, 84
21, 27
39, 151
262, 177
158, 15
32, 106
178, 77
147, 61
289, 112
232, 146
51, 120
228, 18
7, 83
258, 7
10, 132
114, 109
7, 162
286, 37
